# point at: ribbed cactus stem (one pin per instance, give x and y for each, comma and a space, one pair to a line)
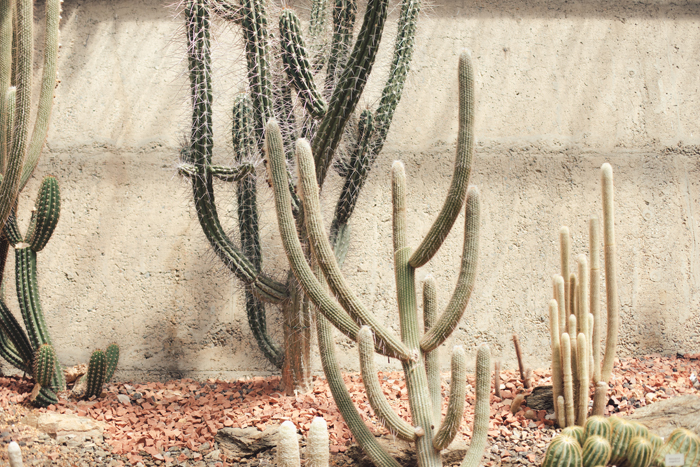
583, 380
455, 408
596, 451
573, 296
317, 444
97, 368
432, 358
44, 365
7, 118
567, 379
47, 211
610, 271
375, 395
572, 331
561, 411
14, 453
582, 290
480, 427
639, 453
622, 433
112, 360
454, 311
287, 446
564, 255
563, 451
462, 168
597, 425
554, 335
559, 293
596, 335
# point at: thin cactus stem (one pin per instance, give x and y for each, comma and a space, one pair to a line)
7, 118
455, 406
560, 296
326, 258
365, 439
554, 334
97, 367
583, 379
375, 395
567, 379
5, 68
344, 14
582, 289
432, 358
610, 271
15, 334
573, 296
564, 255
600, 398
318, 17
462, 168
519, 356
497, 378
572, 331
561, 411
454, 311
596, 335
9, 352
480, 426
112, 360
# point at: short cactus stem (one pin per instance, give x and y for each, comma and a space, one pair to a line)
44, 365
97, 367
287, 446
14, 453
317, 444
112, 360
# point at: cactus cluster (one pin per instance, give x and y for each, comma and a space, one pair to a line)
415, 347
312, 90
616, 441
317, 445
575, 319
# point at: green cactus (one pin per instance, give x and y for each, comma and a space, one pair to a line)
112, 359
597, 426
596, 451
348, 313
563, 451
348, 67
680, 441
44, 365
97, 370
622, 433
576, 432
639, 453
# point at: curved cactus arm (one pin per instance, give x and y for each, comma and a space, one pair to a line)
276, 166
11, 231
13, 332
432, 358
352, 82
46, 96
9, 352
46, 397
226, 10
387, 343
365, 439
297, 65
24, 52
317, 444
449, 319
463, 162
375, 395
481, 409
47, 210
610, 271
7, 118
455, 407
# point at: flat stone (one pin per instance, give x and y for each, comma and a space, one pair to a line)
246, 442
665, 416
124, 399
67, 427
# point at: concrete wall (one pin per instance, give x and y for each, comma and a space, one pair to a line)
561, 88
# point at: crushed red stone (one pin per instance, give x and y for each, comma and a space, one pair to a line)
187, 414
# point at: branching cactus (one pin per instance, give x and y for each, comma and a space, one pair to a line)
353, 318
19, 347
312, 92
575, 321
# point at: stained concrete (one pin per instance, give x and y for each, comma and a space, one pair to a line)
561, 88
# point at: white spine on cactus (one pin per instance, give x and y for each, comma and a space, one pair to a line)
317, 444
288, 446
15, 454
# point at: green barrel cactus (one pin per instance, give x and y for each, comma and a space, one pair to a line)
563, 451
639, 453
621, 435
597, 425
575, 432
680, 441
596, 451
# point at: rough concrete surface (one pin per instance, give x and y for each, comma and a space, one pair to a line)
561, 88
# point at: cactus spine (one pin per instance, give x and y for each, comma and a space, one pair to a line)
323, 123
411, 348
579, 308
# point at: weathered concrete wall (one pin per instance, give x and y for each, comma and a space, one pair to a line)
562, 88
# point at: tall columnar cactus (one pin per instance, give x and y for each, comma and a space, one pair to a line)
351, 317
322, 115
574, 316
19, 347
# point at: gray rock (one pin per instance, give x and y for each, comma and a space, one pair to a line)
665, 416
67, 427
246, 442
540, 398
124, 399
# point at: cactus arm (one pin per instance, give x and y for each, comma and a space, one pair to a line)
344, 13
582, 289
386, 342
226, 10
317, 22
564, 255
375, 395
5, 57
463, 161
449, 319
482, 409
317, 444
97, 368
24, 50
46, 397
44, 365
297, 65
7, 116
610, 271
350, 86
583, 379
560, 296
276, 166
9, 352
432, 358
111, 361
11, 231
414, 369
47, 210
556, 354
365, 439
287, 446
46, 96
455, 406
13, 332
567, 378
594, 248
225, 174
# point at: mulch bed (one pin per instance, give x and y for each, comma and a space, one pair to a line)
174, 423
